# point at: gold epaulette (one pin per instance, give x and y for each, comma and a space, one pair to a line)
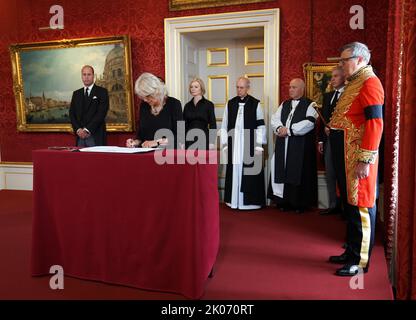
352, 89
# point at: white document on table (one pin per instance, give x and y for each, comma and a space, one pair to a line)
114, 149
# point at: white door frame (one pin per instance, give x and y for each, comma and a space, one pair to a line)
269, 19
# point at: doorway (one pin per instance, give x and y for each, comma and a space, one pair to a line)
219, 48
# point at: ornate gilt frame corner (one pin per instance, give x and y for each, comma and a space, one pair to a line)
176, 5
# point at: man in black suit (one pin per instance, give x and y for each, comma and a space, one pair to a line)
89, 106
329, 102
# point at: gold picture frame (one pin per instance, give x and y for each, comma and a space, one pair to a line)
46, 73
175, 5
317, 78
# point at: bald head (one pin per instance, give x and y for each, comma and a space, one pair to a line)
296, 88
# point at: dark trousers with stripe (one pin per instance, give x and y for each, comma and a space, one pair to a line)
360, 221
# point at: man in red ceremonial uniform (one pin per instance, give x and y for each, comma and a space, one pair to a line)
356, 127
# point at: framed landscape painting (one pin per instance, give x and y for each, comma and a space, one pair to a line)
46, 73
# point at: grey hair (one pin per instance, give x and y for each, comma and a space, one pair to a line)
358, 49
150, 85
247, 80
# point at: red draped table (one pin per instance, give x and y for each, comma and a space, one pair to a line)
124, 219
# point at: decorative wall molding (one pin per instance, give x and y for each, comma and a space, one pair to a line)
256, 85
268, 19
218, 89
254, 55
175, 28
217, 57
16, 176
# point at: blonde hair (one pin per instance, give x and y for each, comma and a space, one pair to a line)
201, 84
150, 85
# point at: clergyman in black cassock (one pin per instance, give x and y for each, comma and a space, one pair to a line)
293, 183
242, 136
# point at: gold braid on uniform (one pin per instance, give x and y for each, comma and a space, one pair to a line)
367, 156
353, 135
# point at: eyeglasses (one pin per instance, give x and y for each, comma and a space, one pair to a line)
343, 60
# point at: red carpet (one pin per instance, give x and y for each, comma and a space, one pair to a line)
263, 255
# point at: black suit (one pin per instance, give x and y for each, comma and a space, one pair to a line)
328, 106
90, 112
327, 109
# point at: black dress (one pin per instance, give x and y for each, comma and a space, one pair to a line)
200, 116
166, 119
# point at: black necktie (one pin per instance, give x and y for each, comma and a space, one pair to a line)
86, 92
336, 96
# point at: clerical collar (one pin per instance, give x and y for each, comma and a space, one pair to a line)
243, 100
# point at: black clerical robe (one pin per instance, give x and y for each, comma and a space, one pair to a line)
294, 171
251, 185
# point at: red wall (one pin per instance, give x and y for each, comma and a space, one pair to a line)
311, 30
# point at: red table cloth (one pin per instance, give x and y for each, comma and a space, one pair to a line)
124, 219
